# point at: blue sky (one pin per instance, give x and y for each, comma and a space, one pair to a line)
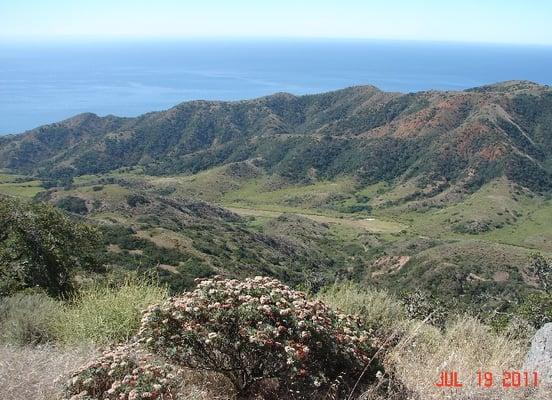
506, 21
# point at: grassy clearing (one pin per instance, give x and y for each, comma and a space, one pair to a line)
533, 231
208, 185
25, 190
96, 195
19, 185
6, 178
506, 215
264, 193
371, 224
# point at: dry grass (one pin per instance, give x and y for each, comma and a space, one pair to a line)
422, 353
32, 373
465, 346
206, 386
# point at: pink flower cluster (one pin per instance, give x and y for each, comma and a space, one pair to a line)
257, 329
123, 374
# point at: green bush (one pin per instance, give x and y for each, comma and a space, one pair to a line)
104, 314
135, 200
73, 204
41, 247
424, 306
28, 318
536, 309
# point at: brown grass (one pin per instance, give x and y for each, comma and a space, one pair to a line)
34, 373
466, 346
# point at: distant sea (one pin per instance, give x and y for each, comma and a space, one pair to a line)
44, 83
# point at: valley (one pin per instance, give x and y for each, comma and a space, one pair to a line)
445, 192
286, 226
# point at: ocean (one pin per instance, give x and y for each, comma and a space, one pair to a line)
46, 82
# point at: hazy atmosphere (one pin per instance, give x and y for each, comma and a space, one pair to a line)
506, 21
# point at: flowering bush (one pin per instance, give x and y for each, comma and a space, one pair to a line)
123, 374
259, 329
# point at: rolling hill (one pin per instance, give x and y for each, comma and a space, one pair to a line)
438, 138
448, 192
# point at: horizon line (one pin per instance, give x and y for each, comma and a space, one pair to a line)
60, 39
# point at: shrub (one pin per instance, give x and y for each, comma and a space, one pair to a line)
28, 318
424, 306
123, 374
73, 204
104, 314
541, 267
135, 200
39, 246
536, 309
259, 329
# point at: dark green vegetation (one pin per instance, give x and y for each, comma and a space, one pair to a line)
40, 247
443, 192
472, 136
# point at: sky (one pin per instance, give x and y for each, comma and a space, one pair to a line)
495, 21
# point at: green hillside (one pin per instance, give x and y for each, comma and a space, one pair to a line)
447, 192
438, 139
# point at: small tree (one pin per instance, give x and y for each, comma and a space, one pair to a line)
536, 308
40, 246
542, 268
257, 330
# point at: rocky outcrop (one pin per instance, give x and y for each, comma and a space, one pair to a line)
539, 357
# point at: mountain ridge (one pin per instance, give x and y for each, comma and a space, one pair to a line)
468, 136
